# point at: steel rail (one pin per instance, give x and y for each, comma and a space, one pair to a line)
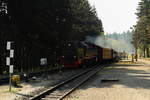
82, 82
50, 90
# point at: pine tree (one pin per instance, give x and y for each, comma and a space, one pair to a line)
143, 25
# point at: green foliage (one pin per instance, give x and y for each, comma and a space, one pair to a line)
39, 28
84, 20
124, 36
142, 29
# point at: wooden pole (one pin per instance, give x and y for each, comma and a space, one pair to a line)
9, 82
132, 57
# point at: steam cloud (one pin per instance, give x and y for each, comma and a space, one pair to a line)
117, 45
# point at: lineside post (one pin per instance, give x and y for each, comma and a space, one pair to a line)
8, 61
132, 57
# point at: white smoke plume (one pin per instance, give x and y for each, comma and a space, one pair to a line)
117, 45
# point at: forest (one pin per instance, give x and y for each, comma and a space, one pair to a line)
141, 36
124, 41
39, 29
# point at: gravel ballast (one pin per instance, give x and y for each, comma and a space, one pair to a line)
34, 87
133, 83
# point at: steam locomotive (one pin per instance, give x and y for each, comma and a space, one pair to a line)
78, 54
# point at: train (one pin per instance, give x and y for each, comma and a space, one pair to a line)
81, 54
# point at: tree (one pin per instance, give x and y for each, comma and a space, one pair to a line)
39, 28
84, 20
143, 24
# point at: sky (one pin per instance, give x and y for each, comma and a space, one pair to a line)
116, 15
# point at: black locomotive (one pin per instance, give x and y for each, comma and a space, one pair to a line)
77, 54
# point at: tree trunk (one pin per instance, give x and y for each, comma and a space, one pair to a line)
147, 52
144, 53
136, 55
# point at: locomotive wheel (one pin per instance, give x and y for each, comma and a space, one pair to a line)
83, 65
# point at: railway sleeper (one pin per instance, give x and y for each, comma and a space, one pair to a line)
56, 93
55, 96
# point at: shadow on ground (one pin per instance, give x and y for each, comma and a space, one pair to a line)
126, 75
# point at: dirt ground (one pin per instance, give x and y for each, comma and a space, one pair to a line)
133, 84
33, 87
122, 81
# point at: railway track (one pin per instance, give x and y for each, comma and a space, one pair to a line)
63, 89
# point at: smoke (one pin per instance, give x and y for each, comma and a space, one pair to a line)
117, 45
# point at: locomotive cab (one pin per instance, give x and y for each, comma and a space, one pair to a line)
72, 55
